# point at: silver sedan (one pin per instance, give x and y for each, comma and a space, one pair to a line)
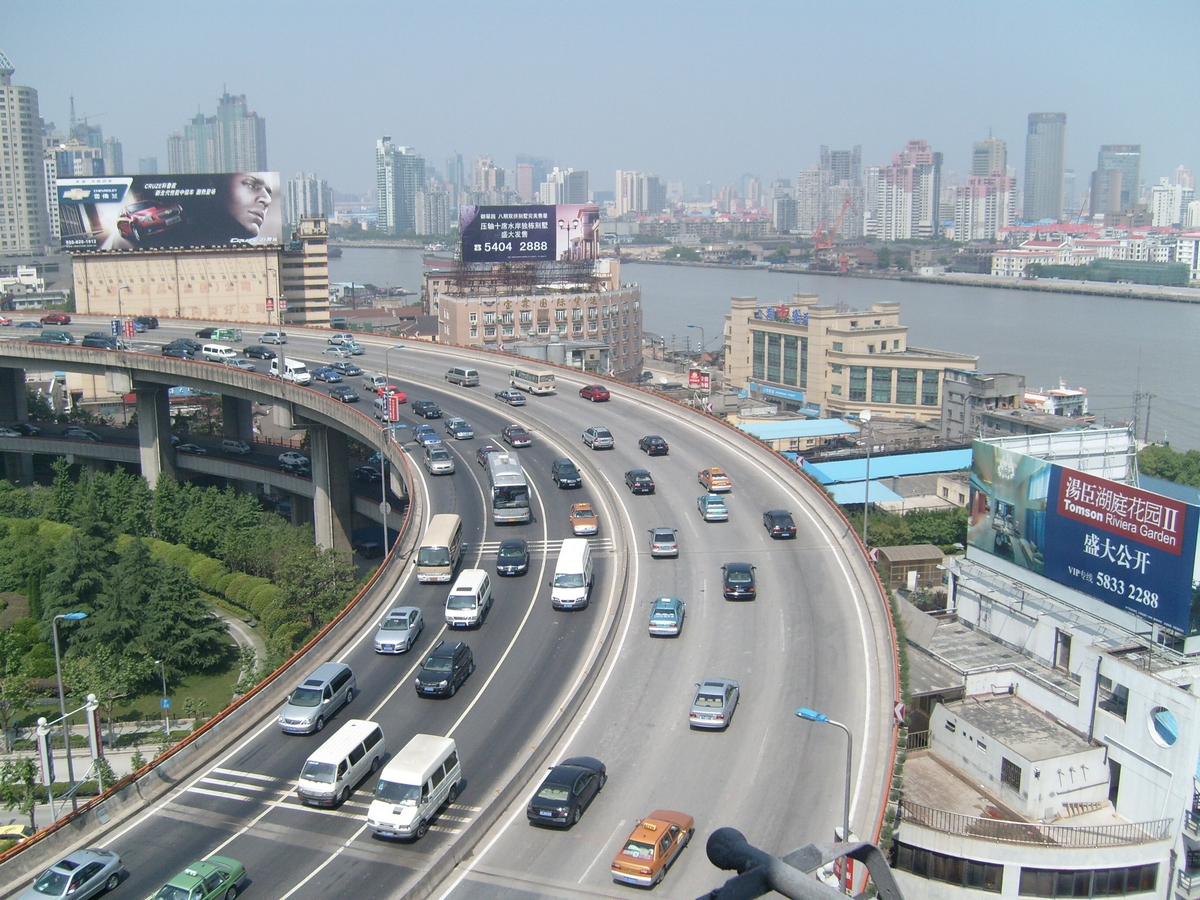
79, 875
399, 630
716, 699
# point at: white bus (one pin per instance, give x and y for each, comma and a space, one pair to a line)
509, 490
532, 381
441, 548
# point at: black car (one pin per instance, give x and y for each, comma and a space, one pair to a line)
738, 581
348, 369
178, 351
344, 393
426, 409
445, 669
513, 557
101, 342
27, 429
148, 321
207, 333
654, 445
257, 351
298, 469
779, 524
639, 481
567, 791
367, 475
564, 474
191, 343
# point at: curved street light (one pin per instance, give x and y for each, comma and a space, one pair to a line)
62, 700
383, 480
811, 715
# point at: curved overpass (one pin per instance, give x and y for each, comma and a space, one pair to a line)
817, 636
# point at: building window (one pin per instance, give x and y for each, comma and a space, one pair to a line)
858, 384
560, 315
1114, 698
1088, 882
1010, 774
895, 345
506, 318
474, 331
836, 390
758, 359
507, 330
790, 360
543, 327
837, 346
870, 348
577, 315
489, 318
577, 328
489, 331
592, 313
835, 368
804, 362
881, 385
774, 356
526, 316
929, 387
906, 386
970, 873
561, 327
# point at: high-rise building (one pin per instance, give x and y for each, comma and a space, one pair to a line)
114, 157
810, 199
234, 140
983, 206
1070, 200
907, 195
306, 197
577, 186
1169, 203
525, 186
454, 173
842, 197
432, 213
411, 180
148, 165
1113, 195
542, 166
24, 222
639, 192
1183, 177
843, 165
989, 157
399, 177
1045, 160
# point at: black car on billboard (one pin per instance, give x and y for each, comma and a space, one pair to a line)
140, 220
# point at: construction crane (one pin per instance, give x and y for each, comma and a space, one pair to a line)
823, 238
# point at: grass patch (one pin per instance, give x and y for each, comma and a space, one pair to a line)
15, 606
214, 688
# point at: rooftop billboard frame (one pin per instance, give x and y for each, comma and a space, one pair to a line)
503, 234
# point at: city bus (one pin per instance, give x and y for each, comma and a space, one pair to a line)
531, 380
441, 548
509, 489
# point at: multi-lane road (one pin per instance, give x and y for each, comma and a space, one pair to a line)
816, 636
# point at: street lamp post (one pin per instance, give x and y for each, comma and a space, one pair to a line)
702, 341
62, 700
166, 709
865, 416
383, 481
278, 315
812, 715
120, 305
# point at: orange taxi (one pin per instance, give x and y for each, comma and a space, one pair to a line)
584, 519
715, 480
655, 843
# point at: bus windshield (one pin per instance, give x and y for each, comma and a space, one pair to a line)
433, 556
515, 497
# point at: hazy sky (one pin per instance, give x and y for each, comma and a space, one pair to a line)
696, 91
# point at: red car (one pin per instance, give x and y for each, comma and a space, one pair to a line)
516, 436
56, 319
597, 393
148, 217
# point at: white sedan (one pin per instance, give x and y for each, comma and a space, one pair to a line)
292, 458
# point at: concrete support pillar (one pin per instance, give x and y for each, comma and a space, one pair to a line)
238, 416
154, 433
332, 510
14, 407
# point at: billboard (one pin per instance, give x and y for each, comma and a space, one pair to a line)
170, 212
529, 233
1130, 548
699, 380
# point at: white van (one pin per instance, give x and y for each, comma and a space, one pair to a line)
373, 381
329, 775
414, 786
290, 370
440, 549
573, 575
381, 410
462, 375
218, 352
233, 445
469, 600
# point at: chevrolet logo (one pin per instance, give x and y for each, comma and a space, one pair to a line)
76, 194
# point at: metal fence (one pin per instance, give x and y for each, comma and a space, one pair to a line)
1033, 832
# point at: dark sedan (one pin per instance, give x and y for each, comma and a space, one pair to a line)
367, 475
738, 581
257, 351
639, 481
349, 369
426, 409
779, 524
653, 445
327, 374
513, 557
516, 436
343, 393
178, 351
567, 791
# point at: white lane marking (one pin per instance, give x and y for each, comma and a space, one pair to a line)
604, 848
225, 794
241, 774
311, 875
235, 784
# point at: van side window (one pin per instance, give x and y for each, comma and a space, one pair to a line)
356, 754
339, 679
372, 739
342, 767
437, 777
451, 760
327, 694
425, 792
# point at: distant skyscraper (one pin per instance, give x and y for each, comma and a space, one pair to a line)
234, 140
1112, 194
843, 165
577, 186
432, 213
411, 178
148, 165
525, 185
990, 157
1045, 156
114, 157
387, 191
1070, 204
1183, 177
1169, 203
542, 166
24, 223
908, 194
983, 206
810, 199
842, 191
639, 192
306, 197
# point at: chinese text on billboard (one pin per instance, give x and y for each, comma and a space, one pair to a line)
529, 233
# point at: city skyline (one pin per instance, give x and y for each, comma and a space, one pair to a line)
762, 103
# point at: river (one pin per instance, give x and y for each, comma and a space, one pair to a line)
1111, 346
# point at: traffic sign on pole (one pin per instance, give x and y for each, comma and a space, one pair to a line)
899, 711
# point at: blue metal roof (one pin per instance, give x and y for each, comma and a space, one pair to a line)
855, 493
1183, 492
848, 470
797, 428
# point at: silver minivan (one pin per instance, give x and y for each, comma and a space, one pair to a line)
463, 375
330, 687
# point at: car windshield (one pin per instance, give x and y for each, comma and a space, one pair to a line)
51, 883
667, 614
438, 663
439, 455
737, 576
171, 892
583, 514
602, 433
554, 792
319, 771
396, 792
639, 850
305, 697
433, 556
715, 504
461, 601
511, 553
145, 204
395, 623
568, 579
709, 701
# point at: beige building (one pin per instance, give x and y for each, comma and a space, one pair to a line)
496, 309
833, 360
211, 285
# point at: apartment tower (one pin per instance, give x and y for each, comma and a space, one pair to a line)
1045, 160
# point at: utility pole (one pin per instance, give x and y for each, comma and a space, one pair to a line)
1146, 431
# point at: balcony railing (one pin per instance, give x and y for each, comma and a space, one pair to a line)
1033, 832
1191, 823
1189, 884
918, 740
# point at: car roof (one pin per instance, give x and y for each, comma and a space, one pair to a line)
446, 648
666, 601
663, 529
651, 827
513, 542
715, 684
402, 610
778, 512
637, 473
737, 566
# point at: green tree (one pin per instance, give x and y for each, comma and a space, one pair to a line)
18, 786
316, 584
884, 258
77, 579
167, 511
177, 626
15, 692
63, 492
779, 256
681, 254
109, 675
